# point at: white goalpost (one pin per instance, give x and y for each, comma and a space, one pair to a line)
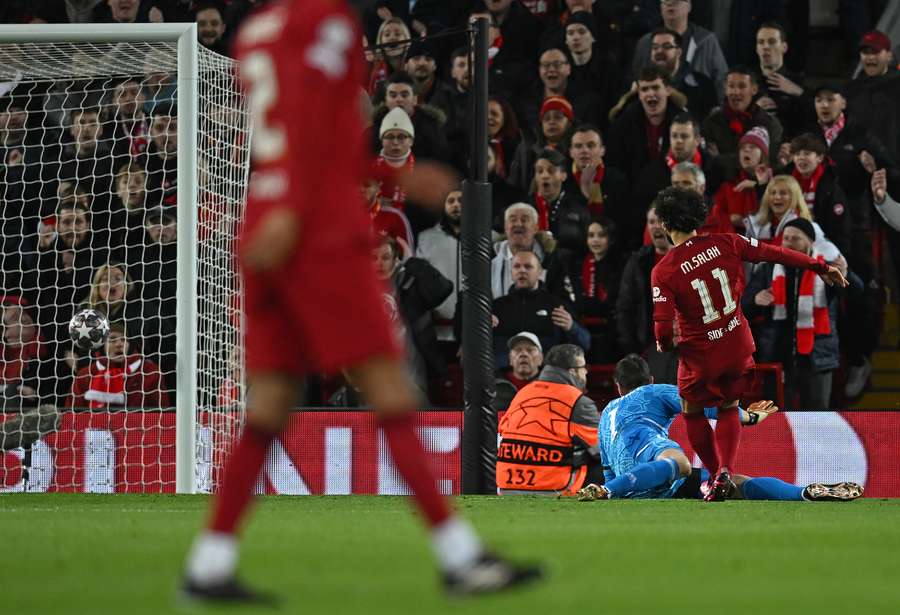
124, 176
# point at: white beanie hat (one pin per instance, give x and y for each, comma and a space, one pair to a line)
396, 119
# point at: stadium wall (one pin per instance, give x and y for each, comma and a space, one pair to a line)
342, 452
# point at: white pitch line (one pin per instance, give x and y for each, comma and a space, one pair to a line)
99, 509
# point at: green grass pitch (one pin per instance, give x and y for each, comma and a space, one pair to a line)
367, 555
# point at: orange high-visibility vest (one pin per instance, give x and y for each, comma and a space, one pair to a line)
534, 450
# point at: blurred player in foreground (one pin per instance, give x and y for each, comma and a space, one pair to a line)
640, 461
313, 303
700, 280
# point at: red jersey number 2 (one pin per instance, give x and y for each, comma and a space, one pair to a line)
710, 313
269, 141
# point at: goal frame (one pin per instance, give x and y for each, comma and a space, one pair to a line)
185, 37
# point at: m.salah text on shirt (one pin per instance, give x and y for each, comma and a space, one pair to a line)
700, 259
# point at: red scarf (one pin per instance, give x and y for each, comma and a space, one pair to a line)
108, 384
139, 137
499, 156
595, 200
671, 162
516, 382
808, 184
374, 207
494, 49
812, 306
738, 121
389, 177
543, 212
380, 71
654, 140
589, 280
831, 132
229, 392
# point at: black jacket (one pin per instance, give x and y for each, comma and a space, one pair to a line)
601, 308
532, 310
569, 219
831, 209
520, 171
793, 111
617, 204
875, 101
634, 312
56, 289
503, 194
844, 153
856, 184
601, 79
516, 63
420, 289
699, 89
457, 128
626, 145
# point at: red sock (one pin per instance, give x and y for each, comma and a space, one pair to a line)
728, 436
239, 479
701, 437
409, 458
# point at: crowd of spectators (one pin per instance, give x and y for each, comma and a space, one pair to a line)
595, 106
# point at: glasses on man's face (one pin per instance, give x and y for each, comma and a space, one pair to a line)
557, 65
582, 366
663, 47
396, 138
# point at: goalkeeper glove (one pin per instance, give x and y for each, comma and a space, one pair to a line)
760, 410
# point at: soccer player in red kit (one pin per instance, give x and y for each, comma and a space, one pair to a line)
306, 235
700, 281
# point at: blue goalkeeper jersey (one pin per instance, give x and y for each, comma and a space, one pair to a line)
634, 429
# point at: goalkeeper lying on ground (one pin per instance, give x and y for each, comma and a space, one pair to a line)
640, 461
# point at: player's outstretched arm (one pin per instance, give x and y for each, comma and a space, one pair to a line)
429, 184
755, 252
834, 277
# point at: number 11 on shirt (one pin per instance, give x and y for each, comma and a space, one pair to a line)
710, 313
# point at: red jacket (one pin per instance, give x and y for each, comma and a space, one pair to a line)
728, 202
136, 384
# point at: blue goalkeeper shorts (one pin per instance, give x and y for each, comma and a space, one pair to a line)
642, 444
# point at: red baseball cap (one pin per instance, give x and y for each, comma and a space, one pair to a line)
875, 40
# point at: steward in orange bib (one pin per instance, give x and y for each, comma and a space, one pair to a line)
547, 440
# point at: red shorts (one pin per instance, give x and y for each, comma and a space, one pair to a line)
322, 315
713, 383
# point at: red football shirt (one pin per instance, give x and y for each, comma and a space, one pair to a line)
701, 282
301, 64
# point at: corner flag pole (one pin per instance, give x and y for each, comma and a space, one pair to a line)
479, 441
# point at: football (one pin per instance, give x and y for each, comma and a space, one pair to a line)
89, 329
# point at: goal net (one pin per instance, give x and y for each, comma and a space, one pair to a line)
123, 174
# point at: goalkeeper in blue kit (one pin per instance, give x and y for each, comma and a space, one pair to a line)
640, 461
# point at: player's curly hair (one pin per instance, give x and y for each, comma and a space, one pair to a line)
680, 210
